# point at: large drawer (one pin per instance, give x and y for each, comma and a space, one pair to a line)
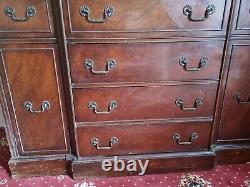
25, 18
146, 138
133, 16
241, 23
145, 62
137, 103
35, 98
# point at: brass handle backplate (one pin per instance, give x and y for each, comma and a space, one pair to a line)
188, 11
238, 99
45, 105
89, 64
93, 106
177, 137
95, 142
183, 61
10, 12
108, 12
198, 102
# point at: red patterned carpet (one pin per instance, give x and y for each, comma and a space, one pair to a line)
221, 176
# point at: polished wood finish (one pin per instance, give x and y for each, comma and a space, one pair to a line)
141, 16
44, 58
137, 103
235, 116
32, 75
145, 62
40, 25
43, 166
228, 154
159, 163
241, 24
133, 137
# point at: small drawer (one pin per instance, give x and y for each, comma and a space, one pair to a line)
137, 103
241, 23
117, 17
146, 138
25, 18
144, 62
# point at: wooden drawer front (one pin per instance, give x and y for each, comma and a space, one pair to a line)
135, 139
137, 103
145, 16
97, 63
32, 78
235, 116
242, 17
25, 18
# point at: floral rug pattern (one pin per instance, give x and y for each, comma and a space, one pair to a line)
222, 176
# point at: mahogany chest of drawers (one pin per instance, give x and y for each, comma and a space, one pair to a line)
83, 81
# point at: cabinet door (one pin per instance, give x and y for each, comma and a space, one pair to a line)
241, 20
33, 88
235, 122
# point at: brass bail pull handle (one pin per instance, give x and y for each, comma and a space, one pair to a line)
10, 12
95, 142
177, 138
107, 12
89, 64
45, 105
238, 99
198, 102
183, 61
93, 106
188, 11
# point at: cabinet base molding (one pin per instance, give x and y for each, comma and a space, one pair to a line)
232, 154
39, 166
90, 167
158, 163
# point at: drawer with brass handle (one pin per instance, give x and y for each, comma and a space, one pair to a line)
139, 103
144, 138
117, 17
24, 18
144, 62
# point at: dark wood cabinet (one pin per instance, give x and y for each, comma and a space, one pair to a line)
83, 81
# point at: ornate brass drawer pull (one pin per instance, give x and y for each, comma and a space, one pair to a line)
10, 12
183, 61
108, 12
177, 138
187, 11
44, 106
112, 141
238, 99
93, 106
180, 102
89, 64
